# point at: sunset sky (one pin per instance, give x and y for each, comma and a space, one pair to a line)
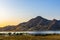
13, 12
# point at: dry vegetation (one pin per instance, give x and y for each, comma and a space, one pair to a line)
29, 37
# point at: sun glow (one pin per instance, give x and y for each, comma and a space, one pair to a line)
11, 21
6, 23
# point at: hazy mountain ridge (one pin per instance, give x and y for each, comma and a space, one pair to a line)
36, 24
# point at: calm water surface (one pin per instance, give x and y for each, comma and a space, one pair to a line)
36, 32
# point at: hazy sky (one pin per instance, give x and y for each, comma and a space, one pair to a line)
15, 11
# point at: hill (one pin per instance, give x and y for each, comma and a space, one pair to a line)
35, 24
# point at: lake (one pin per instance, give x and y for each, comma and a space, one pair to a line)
34, 32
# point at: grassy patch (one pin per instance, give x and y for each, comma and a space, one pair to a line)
27, 37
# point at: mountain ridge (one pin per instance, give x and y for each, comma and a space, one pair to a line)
35, 24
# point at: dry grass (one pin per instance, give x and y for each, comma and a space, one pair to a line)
26, 37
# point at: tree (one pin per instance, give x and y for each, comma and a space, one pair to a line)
9, 33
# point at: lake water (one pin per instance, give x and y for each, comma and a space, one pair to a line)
35, 32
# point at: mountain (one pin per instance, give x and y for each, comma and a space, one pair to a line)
35, 24
8, 28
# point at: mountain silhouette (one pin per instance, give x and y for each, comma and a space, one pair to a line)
35, 24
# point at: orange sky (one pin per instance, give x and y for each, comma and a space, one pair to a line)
12, 22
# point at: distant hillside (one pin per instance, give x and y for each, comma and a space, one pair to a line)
36, 24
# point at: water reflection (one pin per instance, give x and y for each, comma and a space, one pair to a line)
35, 32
